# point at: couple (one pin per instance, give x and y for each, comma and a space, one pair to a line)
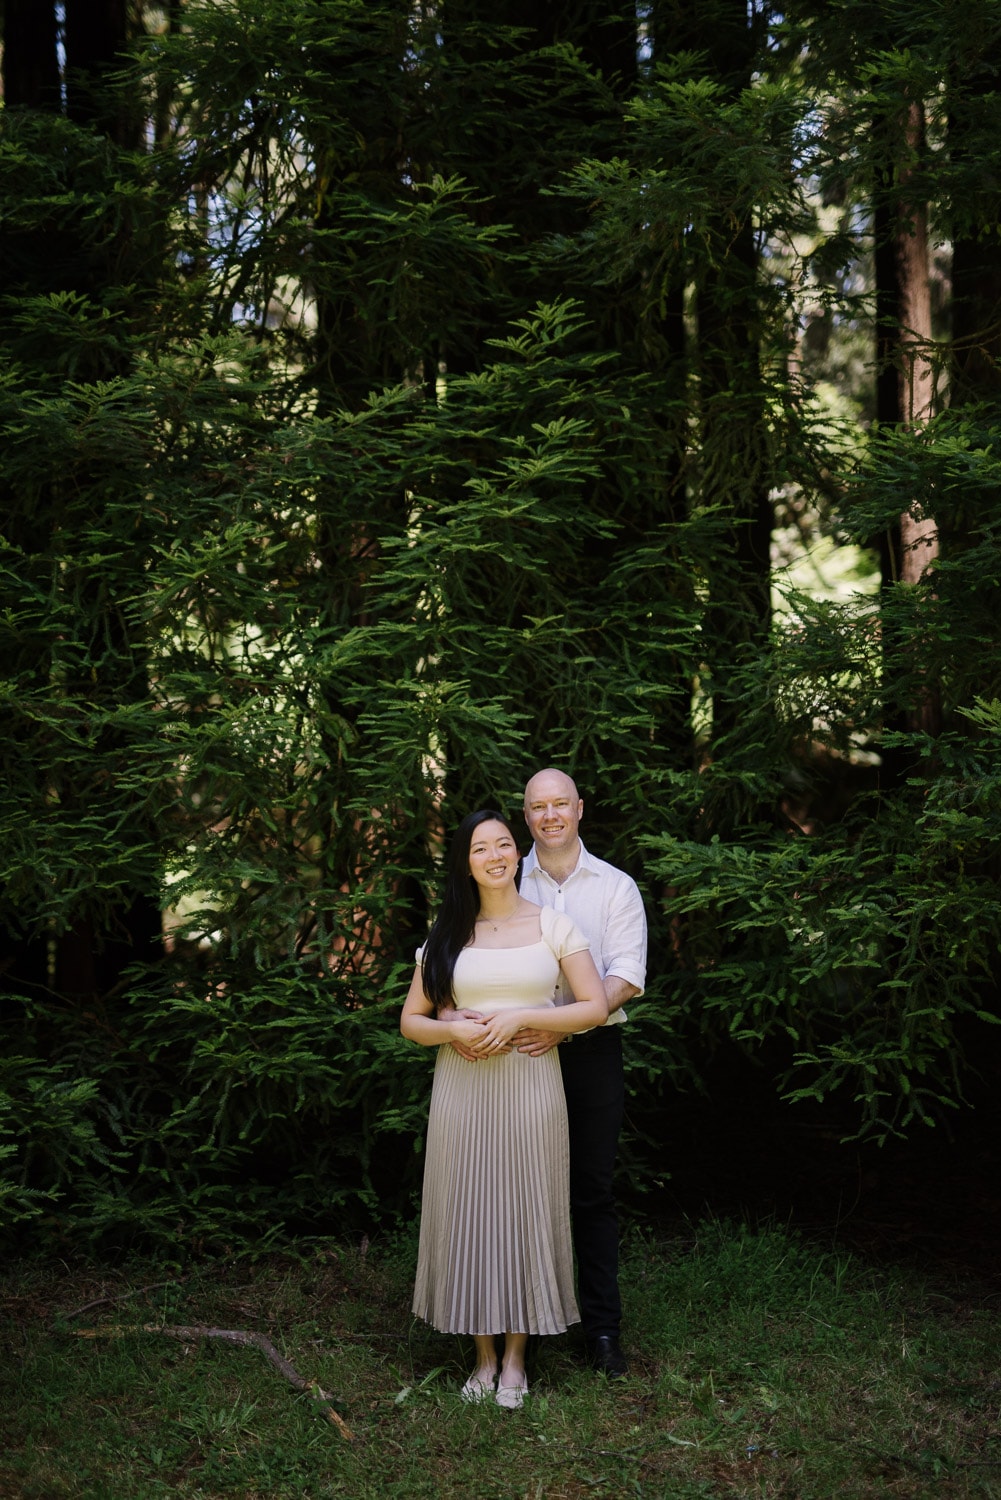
495, 1253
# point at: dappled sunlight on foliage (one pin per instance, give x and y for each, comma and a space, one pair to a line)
397, 399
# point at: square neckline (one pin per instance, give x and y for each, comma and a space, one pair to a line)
511, 948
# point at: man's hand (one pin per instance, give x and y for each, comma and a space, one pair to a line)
464, 1051
535, 1043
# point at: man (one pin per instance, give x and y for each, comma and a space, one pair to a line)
607, 907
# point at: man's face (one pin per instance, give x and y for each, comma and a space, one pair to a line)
553, 811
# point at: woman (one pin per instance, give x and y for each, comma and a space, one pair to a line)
495, 1252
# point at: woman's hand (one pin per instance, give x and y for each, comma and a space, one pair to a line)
464, 1048
466, 1035
497, 1033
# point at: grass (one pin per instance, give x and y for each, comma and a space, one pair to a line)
761, 1366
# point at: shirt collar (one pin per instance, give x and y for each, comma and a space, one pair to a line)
585, 863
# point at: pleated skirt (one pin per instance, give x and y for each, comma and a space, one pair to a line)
495, 1251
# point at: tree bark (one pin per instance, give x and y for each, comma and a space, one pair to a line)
905, 382
905, 397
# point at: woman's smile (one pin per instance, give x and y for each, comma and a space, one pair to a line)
493, 853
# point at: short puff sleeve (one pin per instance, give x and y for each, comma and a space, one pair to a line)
561, 933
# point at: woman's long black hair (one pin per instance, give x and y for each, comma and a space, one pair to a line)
460, 906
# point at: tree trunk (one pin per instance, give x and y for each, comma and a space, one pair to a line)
976, 320
905, 396
905, 381
734, 438
30, 63
89, 958
97, 34
976, 248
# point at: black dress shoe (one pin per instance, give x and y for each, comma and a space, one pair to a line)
605, 1355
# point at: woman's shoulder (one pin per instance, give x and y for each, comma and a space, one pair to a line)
561, 931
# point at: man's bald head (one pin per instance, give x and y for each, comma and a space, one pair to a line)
551, 779
553, 810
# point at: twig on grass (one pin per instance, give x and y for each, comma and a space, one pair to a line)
245, 1338
138, 1291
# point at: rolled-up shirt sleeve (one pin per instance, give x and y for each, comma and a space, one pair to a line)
624, 937
607, 906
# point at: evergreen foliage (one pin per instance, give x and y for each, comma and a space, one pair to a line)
411, 411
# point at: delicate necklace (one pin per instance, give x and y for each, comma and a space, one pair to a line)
501, 921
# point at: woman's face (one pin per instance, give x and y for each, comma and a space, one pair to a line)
493, 855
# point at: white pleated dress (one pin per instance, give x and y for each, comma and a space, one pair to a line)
495, 1252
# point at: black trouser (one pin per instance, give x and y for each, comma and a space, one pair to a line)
593, 1081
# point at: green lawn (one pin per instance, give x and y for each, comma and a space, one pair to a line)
762, 1366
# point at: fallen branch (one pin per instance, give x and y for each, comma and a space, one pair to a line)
137, 1291
245, 1338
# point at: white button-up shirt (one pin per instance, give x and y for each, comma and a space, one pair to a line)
607, 907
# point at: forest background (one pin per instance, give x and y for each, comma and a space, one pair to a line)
396, 398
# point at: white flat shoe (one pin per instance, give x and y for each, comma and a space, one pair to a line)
511, 1397
476, 1389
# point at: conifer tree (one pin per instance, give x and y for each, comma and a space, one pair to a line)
401, 405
